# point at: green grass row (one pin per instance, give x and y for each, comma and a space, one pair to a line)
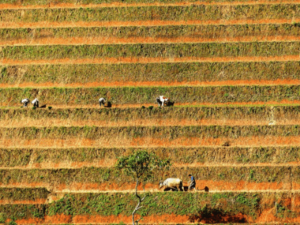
172, 13
23, 194
111, 176
195, 114
163, 133
263, 49
194, 205
236, 155
170, 72
190, 31
141, 95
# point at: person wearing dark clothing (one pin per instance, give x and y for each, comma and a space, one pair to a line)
192, 182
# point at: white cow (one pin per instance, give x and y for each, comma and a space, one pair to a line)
172, 183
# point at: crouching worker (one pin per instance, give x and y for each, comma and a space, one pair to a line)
25, 102
102, 101
161, 100
35, 103
192, 182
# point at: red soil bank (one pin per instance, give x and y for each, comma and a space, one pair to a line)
46, 24
106, 5
141, 40
155, 83
148, 60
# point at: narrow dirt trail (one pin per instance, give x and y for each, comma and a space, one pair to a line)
124, 5
149, 60
155, 83
201, 185
48, 122
111, 163
23, 202
118, 141
149, 23
140, 40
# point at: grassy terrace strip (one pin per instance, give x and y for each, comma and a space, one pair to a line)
196, 114
163, 133
159, 32
80, 157
23, 193
166, 72
262, 49
249, 205
141, 95
113, 179
176, 13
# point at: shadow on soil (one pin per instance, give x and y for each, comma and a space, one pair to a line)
210, 215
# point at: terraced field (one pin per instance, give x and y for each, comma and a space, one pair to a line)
232, 68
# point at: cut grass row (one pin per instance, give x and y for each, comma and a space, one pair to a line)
248, 205
175, 13
161, 133
165, 72
180, 116
143, 95
262, 49
179, 156
200, 32
91, 178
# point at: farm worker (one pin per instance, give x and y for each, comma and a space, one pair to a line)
161, 100
192, 182
35, 102
25, 102
101, 101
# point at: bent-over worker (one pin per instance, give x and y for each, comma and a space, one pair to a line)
161, 100
25, 102
192, 182
101, 101
35, 103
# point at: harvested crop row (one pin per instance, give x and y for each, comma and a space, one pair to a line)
180, 116
107, 157
111, 179
177, 13
148, 51
144, 95
108, 208
118, 74
131, 35
95, 4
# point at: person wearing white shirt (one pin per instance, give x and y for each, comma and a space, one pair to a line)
35, 103
25, 102
101, 101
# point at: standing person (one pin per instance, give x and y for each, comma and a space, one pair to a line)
25, 102
35, 103
102, 101
192, 182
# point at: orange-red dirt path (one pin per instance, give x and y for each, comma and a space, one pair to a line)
156, 83
46, 24
140, 40
148, 60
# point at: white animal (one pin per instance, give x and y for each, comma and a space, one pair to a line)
172, 183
